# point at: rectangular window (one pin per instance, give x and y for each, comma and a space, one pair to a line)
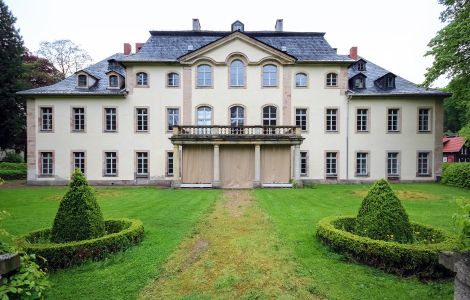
392, 164
46, 119
301, 118
173, 117
303, 163
362, 120
79, 161
331, 119
110, 119
424, 164
142, 163
110, 168
424, 120
169, 164
47, 163
393, 120
362, 164
331, 165
78, 119
142, 119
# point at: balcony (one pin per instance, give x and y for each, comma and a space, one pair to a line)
215, 134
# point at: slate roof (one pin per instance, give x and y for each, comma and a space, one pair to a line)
68, 86
453, 144
403, 87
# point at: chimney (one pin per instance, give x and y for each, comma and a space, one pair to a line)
127, 48
138, 46
279, 25
353, 53
196, 25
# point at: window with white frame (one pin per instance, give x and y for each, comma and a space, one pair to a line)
269, 75
204, 116
424, 164
237, 116
362, 122
113, 81
424, 118
110, 114
359, 82
142, 164
82, 81
79, 161
142, 119
331, 79
173, 118
300, 80
237, 73
169, 163
173, 80
47, 163
393, 120
303, 163
78, 119
331, 164
110, 164
392, 164
142, 79
46, 119
269, 116
331, 119
301, 118
362, 164
204, 75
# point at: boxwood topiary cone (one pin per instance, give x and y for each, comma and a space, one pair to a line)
382, 217
79, 217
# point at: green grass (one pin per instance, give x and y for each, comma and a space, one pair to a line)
295, 213
168, 216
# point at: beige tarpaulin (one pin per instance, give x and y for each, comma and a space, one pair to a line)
237, 166
198, 163
275, 164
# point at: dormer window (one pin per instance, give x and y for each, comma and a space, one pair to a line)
360, 66
359, 83
82, 81
113, 81
386, 82
390, 82
238, 26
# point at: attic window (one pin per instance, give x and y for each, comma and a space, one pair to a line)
359, 83
238, 26
113, 81
360, 66
82, 81
390, 82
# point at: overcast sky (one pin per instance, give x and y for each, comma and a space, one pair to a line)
393, 34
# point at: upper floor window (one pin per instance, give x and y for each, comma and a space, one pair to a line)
424, 120
359, 83
110, 119
362, 120
78, 119
393, 122
173, 118
173, 80
82, 80
360, 66
237, 116
46, 119
204, 75
300, 80
142, 79
301, 118
237, 73
142, 119
204, 115
113, 81
331, 119
269, 116
390, 82
331, 79
270, 75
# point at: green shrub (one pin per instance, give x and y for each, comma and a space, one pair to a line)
13, 174
382, 217
417, 259
13, 157
12, 166
462, 222
79, 216
456, 174
122, 234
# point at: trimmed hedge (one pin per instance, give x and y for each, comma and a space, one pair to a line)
417, 259
121, 234
456, 174
12, 166
12, 171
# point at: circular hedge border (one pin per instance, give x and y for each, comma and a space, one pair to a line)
121, 234
418, 259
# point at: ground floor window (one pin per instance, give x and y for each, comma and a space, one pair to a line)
392, 164
142, 161
110, 168
169, 163
424, 164
47, 163
362, 164
331, 164
303, 163
79, 161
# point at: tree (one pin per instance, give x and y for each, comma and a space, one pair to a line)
12, 107
38, 71
65, 55
451, 51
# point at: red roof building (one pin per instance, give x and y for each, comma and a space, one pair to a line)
454, 149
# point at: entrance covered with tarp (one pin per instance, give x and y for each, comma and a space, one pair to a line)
197, 164
275, 164
237, 166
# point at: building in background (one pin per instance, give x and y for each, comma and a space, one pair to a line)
454, 149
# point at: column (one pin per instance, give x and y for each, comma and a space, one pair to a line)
216, 182
297, 163
257, 182
176, 166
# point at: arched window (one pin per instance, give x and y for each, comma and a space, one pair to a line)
204, 75
270, 75
204, 115
237, 73
173, 80
142, 79
237, 116
300, 80
82, 81
331, 79
113, 81
269, 116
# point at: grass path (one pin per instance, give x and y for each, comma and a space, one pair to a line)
235, 253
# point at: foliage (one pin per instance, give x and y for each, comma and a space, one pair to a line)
13, 157
419, 258
12, 166
465, 132
122, 234
12, 171
457, 107
79, 216
382, 216
65, 55
456, 174
38, 71
462, 222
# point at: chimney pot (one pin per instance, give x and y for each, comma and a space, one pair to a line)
127, 48
353, 53
279, 25
196, 25
138, 46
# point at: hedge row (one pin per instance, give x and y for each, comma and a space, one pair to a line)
12, 174
456, 174
121, 234
419, 258
12, 166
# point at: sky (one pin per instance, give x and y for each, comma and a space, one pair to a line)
393, 34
